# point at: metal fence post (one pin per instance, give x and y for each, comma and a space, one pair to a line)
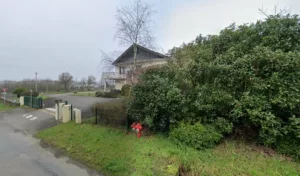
41, 103
71, 113
127, 122
96, 114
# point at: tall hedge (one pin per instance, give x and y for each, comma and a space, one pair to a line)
157, 101
248, 76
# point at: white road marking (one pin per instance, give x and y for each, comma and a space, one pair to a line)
33, 118
25, 115
29, 116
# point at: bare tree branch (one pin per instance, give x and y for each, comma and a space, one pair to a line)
134, 24
277, 11
66, 79
107, 59
263, 11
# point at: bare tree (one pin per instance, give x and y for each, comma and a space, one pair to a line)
65, 79
134, 25
108, 58
90, 81
276, 11
83, 83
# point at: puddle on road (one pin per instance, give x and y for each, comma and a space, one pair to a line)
60, 154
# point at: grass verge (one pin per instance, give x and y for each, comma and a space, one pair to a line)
90, 93
115, 153
4, 107
44, 97
51, 93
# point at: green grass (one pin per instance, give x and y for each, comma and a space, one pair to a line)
89, 93
115, 153
43, 96
50, 93
4, 107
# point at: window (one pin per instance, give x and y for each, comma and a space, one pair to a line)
122, 70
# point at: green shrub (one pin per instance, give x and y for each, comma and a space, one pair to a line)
195, 135
248, 75
28, 93
125, 91
115, 91
223, 126
157, 101
111, 94
251, 79
20, 90
290, 143
99, 94
289, 146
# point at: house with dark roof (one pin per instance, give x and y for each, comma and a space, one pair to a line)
146, 58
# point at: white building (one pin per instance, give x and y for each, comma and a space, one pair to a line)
125, 62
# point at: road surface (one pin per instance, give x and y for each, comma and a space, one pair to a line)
22, 154
84, 103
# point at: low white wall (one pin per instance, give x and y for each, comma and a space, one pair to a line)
66, 113
77, 114
60, 111
21, 101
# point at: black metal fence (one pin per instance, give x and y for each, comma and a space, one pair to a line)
112, 117
33, 102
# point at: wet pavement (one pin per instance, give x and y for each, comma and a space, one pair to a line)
22, 154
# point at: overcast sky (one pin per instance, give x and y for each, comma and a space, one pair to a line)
53, 36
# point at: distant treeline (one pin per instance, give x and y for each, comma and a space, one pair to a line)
43, 85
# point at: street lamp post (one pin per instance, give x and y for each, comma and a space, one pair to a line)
36, 81
31, 98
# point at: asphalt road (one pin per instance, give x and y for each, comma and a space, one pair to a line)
84, 103
22, 154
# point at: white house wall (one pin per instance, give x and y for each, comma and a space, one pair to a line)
119, 83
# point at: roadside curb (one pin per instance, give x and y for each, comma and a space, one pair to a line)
46, 111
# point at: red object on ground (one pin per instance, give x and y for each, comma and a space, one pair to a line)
138, 128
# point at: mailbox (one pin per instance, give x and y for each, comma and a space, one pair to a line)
57, 101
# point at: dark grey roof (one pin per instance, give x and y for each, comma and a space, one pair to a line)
154, 55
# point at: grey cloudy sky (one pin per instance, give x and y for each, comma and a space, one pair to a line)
53, 36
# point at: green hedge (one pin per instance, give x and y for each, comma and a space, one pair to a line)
247, 75
28, 93
195, 135
19, 91
125, 91
111, 94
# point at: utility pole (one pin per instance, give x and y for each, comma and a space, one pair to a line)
36, 81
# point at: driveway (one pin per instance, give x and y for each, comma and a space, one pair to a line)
84, 103
22, 154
